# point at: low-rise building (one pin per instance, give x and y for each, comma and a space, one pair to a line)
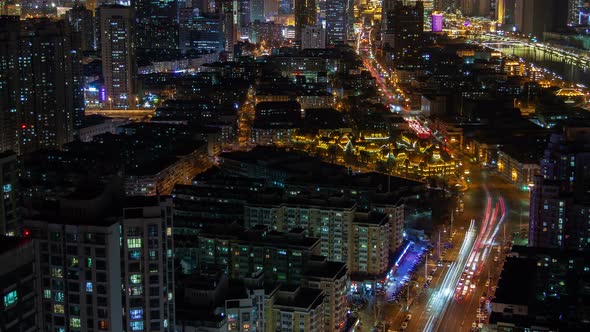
369, 244
333, 279
281, 256
326, 218
210, 302
294, 308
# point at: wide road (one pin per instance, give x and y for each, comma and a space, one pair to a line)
460, 316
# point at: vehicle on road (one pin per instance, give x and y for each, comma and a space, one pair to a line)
404, 325
408, 317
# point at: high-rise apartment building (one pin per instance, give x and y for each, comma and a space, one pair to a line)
313, 37
574, 9
8, 193
119, 64
81, 28
200, 31
559, 209
104, 265
81, 22
46, 100
408, 26
148, 264
333, 279
370, 243
305, 14
80, 271
156, 24
271, 8
506, 14
336, 21
257, 10
228, 14
538, 16
40, 88
18, 273
286, 7
387, 19
9, 82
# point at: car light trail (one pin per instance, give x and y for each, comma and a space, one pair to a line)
439, 301
403, 253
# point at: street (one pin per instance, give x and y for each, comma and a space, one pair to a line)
493, 210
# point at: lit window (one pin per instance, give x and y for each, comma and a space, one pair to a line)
58, 297
57, 272
74, 261
47, 293
7, 188
133, 243
58, 308
103, 325
88, 262
88, 287
75, 322
134, 254
136, 314
136, 326
136, 290
135, 278
10, 299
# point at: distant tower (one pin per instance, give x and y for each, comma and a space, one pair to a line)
336, 21
156, 24
81, 24
305, 14
9, 82
387, 18
46, 98
119, 66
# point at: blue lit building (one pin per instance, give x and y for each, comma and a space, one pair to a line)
200, 32
336, 21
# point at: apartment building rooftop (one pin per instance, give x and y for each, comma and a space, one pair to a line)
295, 296
321, 268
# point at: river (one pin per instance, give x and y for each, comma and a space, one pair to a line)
570, 72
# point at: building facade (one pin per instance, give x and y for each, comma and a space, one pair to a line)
119, 63
18, 273
148, 264
559, 212
336, 22
9, 194
80, 273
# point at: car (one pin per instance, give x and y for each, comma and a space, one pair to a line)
408, 317
404, 325
429, 278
